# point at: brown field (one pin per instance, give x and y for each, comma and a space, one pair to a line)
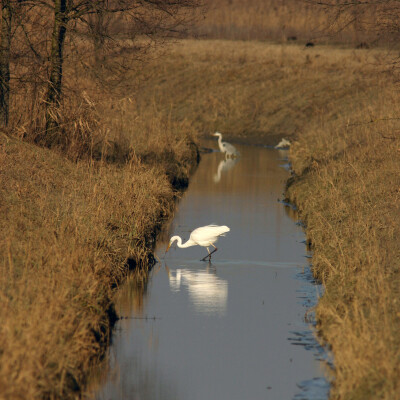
340, 108
282, 21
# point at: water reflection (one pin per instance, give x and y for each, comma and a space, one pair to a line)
207, 292
224, 166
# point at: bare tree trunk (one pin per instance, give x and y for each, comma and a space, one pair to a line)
56, 64
99, 35
5, 44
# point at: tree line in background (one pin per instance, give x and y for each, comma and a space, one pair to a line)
103, 36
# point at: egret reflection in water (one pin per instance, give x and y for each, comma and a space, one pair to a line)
224, 166
207, 292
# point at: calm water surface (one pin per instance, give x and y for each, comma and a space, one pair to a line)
232, 329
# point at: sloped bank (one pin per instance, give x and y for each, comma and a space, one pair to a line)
67, 230
347, 189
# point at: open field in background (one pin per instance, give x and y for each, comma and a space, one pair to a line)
258, 92
341, 110
67, 229
278, 20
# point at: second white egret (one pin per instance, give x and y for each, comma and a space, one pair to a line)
283, 144
225, 147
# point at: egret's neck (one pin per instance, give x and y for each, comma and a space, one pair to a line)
180, 244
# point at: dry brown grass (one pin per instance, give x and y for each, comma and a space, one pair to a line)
349, 195
57, 269
71, 217
256, 91
278, 20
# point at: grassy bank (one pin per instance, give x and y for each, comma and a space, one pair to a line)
341, 110
68, 229
348, 192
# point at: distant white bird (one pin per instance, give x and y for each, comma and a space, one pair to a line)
283, 144
225, 147
204, 236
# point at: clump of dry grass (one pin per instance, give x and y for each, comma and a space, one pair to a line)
153, 137
79, 134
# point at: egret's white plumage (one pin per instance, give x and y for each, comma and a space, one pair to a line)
204, 236
225, 147
283, 144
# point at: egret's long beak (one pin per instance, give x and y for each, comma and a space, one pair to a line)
169, 245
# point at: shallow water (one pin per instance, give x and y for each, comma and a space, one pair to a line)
232, 329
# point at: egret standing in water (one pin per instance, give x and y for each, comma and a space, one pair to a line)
204, 236
283, 144
225, 147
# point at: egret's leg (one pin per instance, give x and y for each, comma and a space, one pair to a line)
215, 249
207, 256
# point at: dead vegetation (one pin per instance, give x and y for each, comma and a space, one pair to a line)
293, 21
72, 216
348, 192
257, 92
74, 219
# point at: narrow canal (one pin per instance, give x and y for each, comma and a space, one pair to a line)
234, 329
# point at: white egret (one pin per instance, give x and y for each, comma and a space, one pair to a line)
283, 144
225, 147
204, 236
